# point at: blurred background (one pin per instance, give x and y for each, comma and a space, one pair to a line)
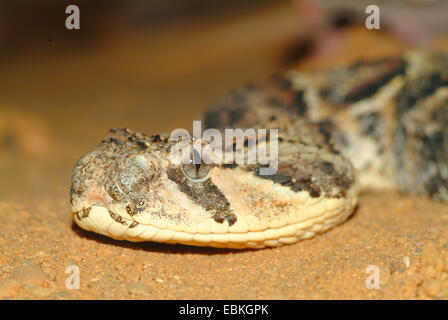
154, 66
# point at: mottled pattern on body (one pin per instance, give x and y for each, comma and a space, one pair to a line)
378, 125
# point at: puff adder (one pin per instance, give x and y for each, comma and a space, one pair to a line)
372, 125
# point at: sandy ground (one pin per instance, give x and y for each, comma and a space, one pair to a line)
160, 85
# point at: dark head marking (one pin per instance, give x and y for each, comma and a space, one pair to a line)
205, 194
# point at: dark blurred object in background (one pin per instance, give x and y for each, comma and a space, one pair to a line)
416, 22
26, 24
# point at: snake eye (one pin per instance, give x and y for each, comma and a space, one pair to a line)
195, 169
196, 172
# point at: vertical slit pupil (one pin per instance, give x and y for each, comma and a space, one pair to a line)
196, 160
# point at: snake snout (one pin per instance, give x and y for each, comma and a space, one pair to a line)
129, 182
135, 172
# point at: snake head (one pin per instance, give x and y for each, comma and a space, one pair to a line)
120, 174
131, 187
133, 179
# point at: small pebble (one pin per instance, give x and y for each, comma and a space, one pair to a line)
407, 261
139, 288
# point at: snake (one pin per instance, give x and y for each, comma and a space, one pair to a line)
372, 125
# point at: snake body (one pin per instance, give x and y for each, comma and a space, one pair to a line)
372, 125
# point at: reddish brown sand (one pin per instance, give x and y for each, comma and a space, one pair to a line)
128, 83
